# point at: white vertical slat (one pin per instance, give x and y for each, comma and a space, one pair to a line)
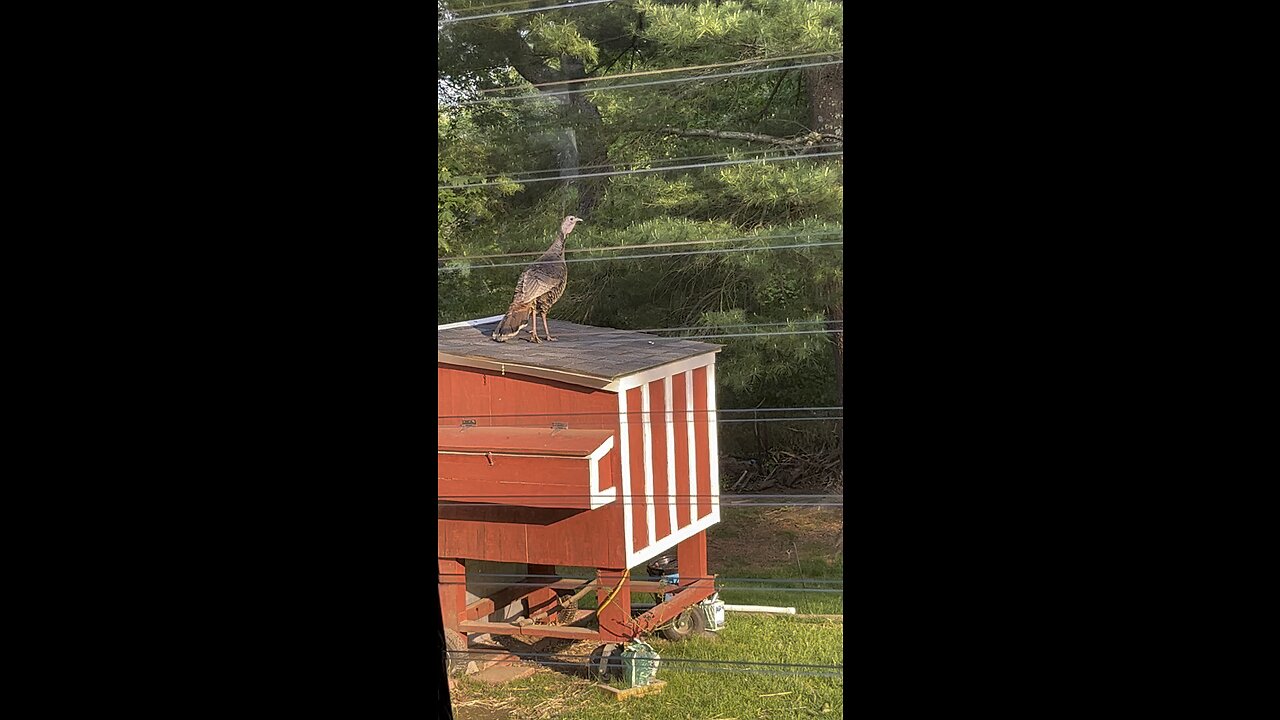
713, 442
646, 419
624, 449
693, 452
670, 422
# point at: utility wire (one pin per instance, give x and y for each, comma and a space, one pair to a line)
743, 325
665, 70
712, 76
521, 576
521, 12
692, 661
653, 160
652, 255
642, 170
719, 587
604, 413
734, 671
611, 248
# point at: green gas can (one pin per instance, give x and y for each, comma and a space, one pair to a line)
639, 664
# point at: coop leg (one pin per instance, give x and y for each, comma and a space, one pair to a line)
453, 591
691, 555
615, 618
542, 599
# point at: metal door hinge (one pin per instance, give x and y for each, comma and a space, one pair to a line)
468, 423
559, 426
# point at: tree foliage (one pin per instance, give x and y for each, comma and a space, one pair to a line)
790, 202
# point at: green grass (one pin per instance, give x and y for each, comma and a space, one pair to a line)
692, 693
748, 543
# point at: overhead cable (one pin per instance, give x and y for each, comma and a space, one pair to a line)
664, 70
713, 76
612, 248
642, 170
464, 18
652, 255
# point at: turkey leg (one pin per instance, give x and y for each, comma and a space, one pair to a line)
546, 334
533, 330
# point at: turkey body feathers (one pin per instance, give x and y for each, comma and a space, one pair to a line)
539, 287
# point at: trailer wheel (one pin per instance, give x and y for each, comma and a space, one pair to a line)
606, 662
687, 624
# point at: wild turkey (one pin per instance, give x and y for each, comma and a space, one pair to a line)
539, 287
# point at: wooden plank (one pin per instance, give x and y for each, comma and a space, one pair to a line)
614, 619
486, 606
687, 597
652, 688
571, 633
552, 482
525, 440
452, 589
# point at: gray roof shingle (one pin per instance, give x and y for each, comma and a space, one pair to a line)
605, 353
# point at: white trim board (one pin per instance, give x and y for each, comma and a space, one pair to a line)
471, 323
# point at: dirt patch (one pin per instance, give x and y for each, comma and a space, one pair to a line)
772, 538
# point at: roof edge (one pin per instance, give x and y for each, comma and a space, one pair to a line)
471, 323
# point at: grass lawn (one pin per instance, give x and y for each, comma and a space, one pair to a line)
748, 543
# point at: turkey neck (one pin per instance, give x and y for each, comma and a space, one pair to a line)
556, 251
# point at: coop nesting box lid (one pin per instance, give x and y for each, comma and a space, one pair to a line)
597, 357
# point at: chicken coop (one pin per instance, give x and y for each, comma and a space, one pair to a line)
595, 451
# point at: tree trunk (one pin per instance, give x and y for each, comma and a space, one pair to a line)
589, 133
825, 86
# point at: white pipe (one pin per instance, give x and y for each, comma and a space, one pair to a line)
761, 609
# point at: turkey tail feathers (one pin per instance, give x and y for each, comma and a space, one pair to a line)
516, 319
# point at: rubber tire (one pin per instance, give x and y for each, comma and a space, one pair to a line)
687, 624
612, 669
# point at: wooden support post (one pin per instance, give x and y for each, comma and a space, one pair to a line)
542, 599
692, 557
614, 618
453, 590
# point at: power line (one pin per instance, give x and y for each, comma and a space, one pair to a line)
760, 589
713, 76
743, 325
612, 248
762, 334
486, 7
698, 661
665, 70
521, 576
735, 671
614, 413
651, 255
642, 170
644, 162
521, 12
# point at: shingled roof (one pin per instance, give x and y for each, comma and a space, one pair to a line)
581, 354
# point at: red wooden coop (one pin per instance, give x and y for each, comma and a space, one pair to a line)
594, 451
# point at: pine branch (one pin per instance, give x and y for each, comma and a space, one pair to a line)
806, 139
